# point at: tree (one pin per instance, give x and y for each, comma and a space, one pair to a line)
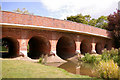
114, 27
92, 22
0, 7
101, 22
23, 11
79, 18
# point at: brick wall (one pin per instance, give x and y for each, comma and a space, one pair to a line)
23, 35
52, 36
15, 18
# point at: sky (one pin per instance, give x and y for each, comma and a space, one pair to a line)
60, 9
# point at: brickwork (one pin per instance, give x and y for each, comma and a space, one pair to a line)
15, 18
23, 35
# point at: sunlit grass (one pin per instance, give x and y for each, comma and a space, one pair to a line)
27, 69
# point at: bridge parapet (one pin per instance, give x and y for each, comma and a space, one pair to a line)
24, 19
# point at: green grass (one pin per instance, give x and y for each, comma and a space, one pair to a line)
27, 69
2, 48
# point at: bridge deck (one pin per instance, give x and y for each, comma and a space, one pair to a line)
33, 21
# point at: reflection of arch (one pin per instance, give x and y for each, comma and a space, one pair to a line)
69, 66
65, 47
85, 47
38, 46
99, 47
13, 47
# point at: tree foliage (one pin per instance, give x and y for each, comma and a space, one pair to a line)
114, 26
101, 22
0, 8
23, 11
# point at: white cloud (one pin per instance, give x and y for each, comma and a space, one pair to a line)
119, 5
63, 8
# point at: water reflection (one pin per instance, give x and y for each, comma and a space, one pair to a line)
76, 67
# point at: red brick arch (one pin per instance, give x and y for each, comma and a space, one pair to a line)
23, 27
99, 47
85, 47
65, 47
37, 46
13, 47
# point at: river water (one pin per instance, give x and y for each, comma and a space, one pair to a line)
76, 67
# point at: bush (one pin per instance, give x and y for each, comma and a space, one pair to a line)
107, 69
105, 55
88, 58
111, 54
40, 60
119, 57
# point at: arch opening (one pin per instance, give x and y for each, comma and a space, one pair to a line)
107, 46
65, 47
99, 47
10, 47
38, 46
85, 47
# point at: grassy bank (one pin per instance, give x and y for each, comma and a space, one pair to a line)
27, 69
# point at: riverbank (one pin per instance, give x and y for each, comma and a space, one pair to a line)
28, 69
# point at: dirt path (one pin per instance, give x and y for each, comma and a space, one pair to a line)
20, 58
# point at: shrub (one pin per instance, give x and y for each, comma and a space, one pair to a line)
105, 55
111, 54
88, 58
107, 69
119, 57
40, 60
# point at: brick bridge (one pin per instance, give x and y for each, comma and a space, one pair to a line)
47, 35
